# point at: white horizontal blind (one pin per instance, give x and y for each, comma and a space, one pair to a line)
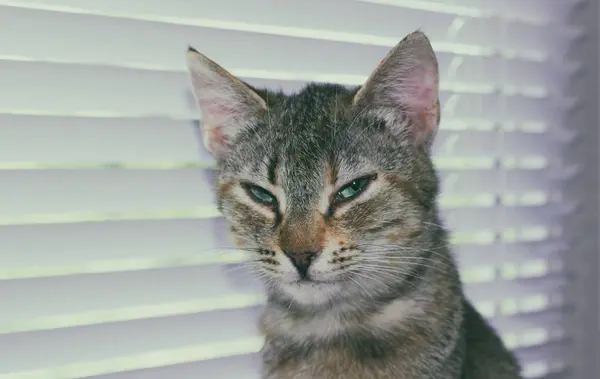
113, 258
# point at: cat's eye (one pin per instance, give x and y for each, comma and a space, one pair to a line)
260, 195
353, 189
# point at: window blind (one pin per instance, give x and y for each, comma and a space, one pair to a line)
114, 261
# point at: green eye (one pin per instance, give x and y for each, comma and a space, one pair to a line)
260, 195
353, 189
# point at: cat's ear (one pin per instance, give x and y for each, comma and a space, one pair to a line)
404, 89
226, 104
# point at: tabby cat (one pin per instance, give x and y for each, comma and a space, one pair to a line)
334, 192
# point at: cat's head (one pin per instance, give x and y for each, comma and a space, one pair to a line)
330, 188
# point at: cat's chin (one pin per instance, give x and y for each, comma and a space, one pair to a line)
311, 292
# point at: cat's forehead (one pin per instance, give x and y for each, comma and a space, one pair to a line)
305, 155
312, 135
313, 112
304, 137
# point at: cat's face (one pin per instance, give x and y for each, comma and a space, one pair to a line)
327, 188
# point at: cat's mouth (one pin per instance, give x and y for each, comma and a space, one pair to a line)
309, 291
307, 280
312, 281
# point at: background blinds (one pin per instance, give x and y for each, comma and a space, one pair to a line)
113, 259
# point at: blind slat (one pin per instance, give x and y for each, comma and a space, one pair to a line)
117, 91
294, 20
111, 246
98, 141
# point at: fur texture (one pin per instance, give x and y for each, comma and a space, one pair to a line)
334, 193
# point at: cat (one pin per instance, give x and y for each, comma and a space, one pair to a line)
334, 192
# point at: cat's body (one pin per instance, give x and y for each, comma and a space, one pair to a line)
334, 192
469, 350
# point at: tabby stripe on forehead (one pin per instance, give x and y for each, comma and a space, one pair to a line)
272, 170
332, 171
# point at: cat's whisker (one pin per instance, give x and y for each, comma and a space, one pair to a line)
410, 261
415, 262
365, 275
388, 255
391, 248
390, 252
375, 275
394, 275
254, 273
410, 252
403, 247
432, 224
360, 286
415, 251
383, 266
381, 247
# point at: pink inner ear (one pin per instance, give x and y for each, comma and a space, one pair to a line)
419, 94
419, 91
215, 119
215, 140
214, 113
214, 109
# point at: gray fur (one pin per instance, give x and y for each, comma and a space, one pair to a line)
387, 301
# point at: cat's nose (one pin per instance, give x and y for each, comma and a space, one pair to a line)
301, 259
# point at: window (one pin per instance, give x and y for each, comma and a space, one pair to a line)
110, 243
